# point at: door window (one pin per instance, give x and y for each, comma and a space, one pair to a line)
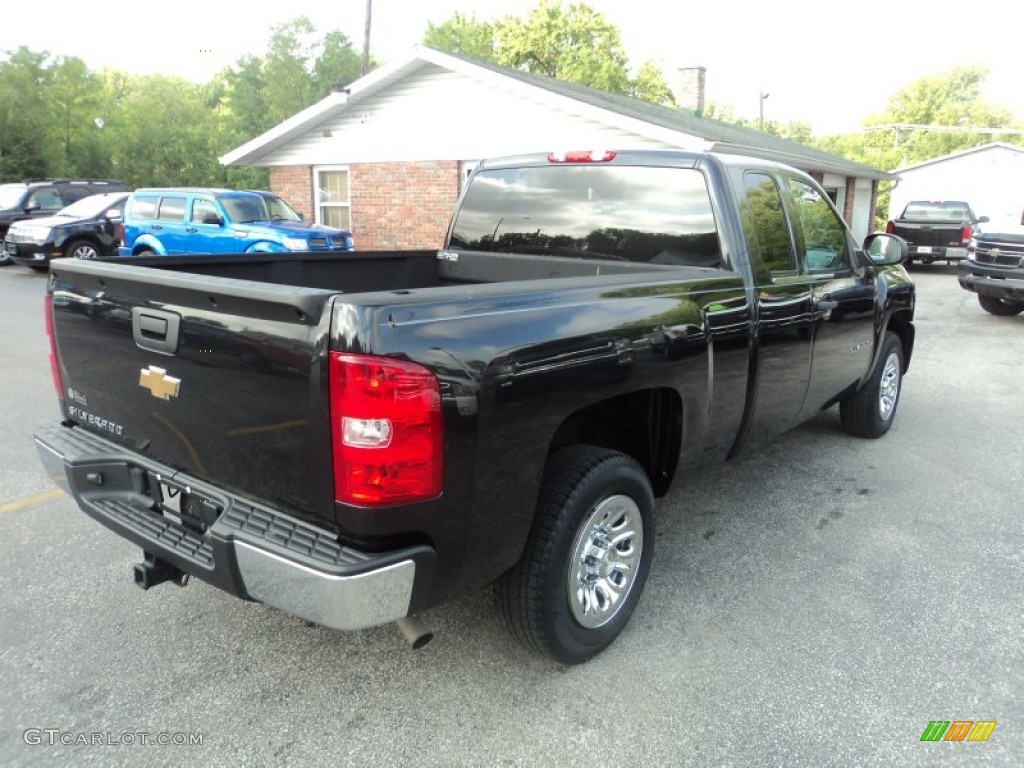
824, 244
765, 225
172, 209
202, 210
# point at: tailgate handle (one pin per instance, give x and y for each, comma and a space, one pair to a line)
156, 330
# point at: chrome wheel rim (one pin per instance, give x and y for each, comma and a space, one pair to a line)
84, 252
605, 559
889, 389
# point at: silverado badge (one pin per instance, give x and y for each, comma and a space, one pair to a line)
159, 383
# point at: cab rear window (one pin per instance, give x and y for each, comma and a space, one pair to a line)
652, 215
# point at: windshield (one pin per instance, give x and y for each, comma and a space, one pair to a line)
656, 215
91, 206
929, 211
244, 208
11, 194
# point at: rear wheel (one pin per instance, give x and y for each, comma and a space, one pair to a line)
869, 412
81, 249
587, 557
995, 306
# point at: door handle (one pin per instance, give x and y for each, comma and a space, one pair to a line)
156, 330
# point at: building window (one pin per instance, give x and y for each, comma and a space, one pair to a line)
333, 198
466, 167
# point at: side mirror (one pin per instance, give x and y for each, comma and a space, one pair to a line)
983, 219
883, 249
32, 206
209, 217
113, 214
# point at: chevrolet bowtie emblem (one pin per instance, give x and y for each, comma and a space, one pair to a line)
159, 383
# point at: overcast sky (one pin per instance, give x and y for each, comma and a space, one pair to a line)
825, 63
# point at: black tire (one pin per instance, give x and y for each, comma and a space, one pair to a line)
587, 493
144, 252
869, 412
995, 306
81, 249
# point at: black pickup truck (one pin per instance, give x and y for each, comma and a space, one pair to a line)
936, 230
356, 438
994, 270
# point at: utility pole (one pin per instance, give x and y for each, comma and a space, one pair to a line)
366, 38
760, 114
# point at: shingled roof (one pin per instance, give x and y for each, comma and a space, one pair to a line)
672, 126
725, 136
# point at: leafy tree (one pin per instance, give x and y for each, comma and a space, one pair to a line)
463, 36
650, 85
574, 43
162, 133
571, 42
24, 148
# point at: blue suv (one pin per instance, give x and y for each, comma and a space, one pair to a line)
165, 222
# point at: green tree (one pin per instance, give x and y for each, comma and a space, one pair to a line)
163, 133
573, 43
463, 36
24, 146
650, 85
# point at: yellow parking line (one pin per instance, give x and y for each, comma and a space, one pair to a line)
30, 500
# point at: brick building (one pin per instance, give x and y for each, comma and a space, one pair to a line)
386, 156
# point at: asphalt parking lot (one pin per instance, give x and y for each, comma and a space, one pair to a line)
814, 603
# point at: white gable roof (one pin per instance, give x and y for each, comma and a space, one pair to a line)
997, 146
432, 106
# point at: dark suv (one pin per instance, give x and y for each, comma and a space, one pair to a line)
88, 229
44, 197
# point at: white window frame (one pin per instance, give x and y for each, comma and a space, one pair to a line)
318, 202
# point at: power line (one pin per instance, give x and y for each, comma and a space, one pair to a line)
945, 128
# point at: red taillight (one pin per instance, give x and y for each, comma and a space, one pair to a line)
966, 233
48, 323
581, 157
120, 234
889, 227
386, 430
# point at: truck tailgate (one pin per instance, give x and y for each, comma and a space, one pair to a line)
217, 377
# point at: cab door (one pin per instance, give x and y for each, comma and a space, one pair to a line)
208, 228
785, 307
169, 227
843, 300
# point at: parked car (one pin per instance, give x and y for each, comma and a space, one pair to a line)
994, 269
936, 230
165, 222
354, 438
88, 229
36, 198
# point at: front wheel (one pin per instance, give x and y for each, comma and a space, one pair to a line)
587, 558
81, 249
869, 412
996, 306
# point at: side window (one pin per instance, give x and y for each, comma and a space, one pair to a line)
333, 200
172, 209
143, 208
824, 246
47, 199
764, 224
203, 211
